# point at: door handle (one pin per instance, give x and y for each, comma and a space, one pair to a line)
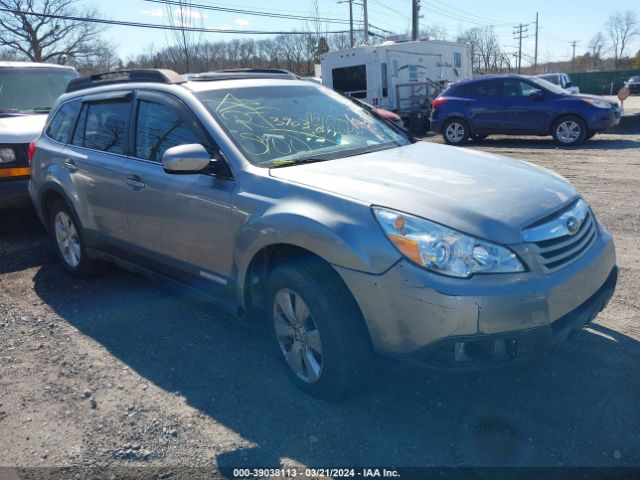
135, 182
70, 165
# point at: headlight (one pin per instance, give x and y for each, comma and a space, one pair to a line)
442, 249
598, 103
7, 155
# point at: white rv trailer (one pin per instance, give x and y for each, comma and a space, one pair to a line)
403, 77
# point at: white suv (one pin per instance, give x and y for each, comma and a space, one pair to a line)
27, 93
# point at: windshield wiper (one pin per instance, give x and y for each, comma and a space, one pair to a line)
9, 110
299, 161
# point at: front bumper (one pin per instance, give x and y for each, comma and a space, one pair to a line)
603, 121
413, 313
14, 193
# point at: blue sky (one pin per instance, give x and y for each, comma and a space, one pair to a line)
561, 21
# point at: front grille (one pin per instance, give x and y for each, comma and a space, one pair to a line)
555, 246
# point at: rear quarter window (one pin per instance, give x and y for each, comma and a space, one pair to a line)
63, 121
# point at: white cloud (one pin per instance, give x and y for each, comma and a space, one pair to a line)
154, 12
242, 22
188, 13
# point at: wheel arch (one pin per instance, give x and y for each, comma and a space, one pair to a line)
255, 284
562, 115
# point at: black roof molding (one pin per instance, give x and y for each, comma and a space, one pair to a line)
125, 76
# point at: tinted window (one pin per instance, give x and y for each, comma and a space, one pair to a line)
161, 127
63, 121
351, 80
486, 88
103, 126
517, 88
385, 81
457, 59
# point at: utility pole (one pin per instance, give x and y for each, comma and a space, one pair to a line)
535, 55
520, 31
366, 22
350, 2
573, 57
415, 16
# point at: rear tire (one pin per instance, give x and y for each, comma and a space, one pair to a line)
455, 132
318, 328
69, 241
569, 131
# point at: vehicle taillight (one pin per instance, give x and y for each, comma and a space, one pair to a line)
32, 150
439, 101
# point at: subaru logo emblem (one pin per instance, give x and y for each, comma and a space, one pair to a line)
573, 225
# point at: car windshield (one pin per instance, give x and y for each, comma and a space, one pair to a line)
32, 89
551, 78
286, 125
542, 83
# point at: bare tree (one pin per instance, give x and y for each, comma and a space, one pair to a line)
47, 38
596, 48
486, 54
180, 13
623, 28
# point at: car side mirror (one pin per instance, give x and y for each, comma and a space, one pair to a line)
189, 158
568, 85
537, 94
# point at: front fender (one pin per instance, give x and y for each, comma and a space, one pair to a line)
341, 231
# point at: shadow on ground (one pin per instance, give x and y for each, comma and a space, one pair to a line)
574, 408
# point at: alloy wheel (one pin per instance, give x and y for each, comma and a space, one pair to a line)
568, 131
67, 239
297, 335
455, 132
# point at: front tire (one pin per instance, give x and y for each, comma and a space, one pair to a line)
318, 329
569, 131
69, 242
455, 132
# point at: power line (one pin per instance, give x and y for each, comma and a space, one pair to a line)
161, 27
255, 13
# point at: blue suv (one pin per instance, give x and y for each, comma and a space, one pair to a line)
519, 105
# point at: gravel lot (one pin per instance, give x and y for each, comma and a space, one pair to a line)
121, 371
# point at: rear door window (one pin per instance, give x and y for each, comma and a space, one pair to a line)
63, 121
484, 88
103, 126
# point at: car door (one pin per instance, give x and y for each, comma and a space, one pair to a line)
526, 107
179, 224
484, 104
94, 160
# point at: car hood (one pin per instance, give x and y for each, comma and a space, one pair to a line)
21, 128
485, 195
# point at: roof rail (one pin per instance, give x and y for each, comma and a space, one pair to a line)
240, 73
125, 76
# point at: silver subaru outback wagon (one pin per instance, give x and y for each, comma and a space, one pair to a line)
282, 198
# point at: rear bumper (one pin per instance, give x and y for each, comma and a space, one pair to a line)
14, 193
